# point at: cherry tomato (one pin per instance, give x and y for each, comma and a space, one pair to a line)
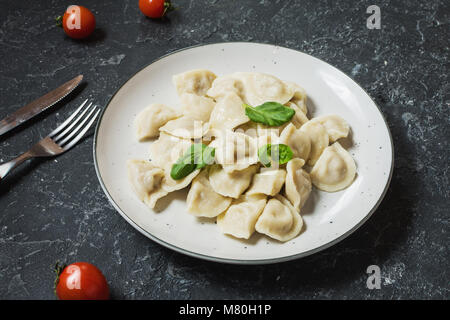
82, 281
78, 22
155, 8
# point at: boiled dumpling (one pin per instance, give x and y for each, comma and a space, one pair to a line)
318, 137
299, 117
253, 88
235, 150
224, 85
186, 127
299, 96
298, 183
335, 126
266, 137
240, 218
260, 88
146, 180
231, 184
279, 220
228, 113
197, 107
195, 81
167, 149
268, 182
265, 130
164, 152
171, 185
297, 140
203, 201
149, 120
249, 128
335, 169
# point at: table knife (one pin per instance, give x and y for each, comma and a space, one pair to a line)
37, 106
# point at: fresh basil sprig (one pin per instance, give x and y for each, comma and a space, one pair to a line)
269, 113
196, 157
279, 153
207, 156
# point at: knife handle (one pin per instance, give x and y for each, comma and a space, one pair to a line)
7, 167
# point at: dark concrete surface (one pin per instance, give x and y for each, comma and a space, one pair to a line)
55, 209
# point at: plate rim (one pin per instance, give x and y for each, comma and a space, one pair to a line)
230, 260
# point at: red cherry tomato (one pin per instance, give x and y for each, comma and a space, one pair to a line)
82, 281
78, 22
154, 8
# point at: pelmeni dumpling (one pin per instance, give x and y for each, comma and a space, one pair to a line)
268, 182
228, 113
318, 137
299, 117
167, 149
194, 81
266, 137
298, 183
186, 127
279, 220
171, 185
299, 96
260, 88
334, 170
250, 128
196, 107
203, 201
235, 150
164, 152
297, 140
335, 126
240, 218
146, 180
265, 130
231, 184
225, 85
149, 120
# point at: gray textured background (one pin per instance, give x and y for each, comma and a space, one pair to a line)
55, 209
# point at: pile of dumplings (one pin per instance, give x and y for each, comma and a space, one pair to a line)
236, 190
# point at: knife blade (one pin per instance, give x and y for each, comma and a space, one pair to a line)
37, 106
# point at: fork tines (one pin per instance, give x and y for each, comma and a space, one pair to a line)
75, 127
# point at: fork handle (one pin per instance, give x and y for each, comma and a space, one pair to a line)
5, 168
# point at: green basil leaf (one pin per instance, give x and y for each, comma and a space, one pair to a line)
264, 155
184, 166
196, 157
285, 153
181, 170
207, 157
279, 153
270, 113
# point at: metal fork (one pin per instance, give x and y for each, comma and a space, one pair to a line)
59, 140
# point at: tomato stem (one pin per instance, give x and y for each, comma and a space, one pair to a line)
58, 269
59, 20
168, 7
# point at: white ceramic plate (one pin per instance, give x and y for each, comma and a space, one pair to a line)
329, 217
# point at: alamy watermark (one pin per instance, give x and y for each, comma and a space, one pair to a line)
374, 279
74, 19
374, 20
